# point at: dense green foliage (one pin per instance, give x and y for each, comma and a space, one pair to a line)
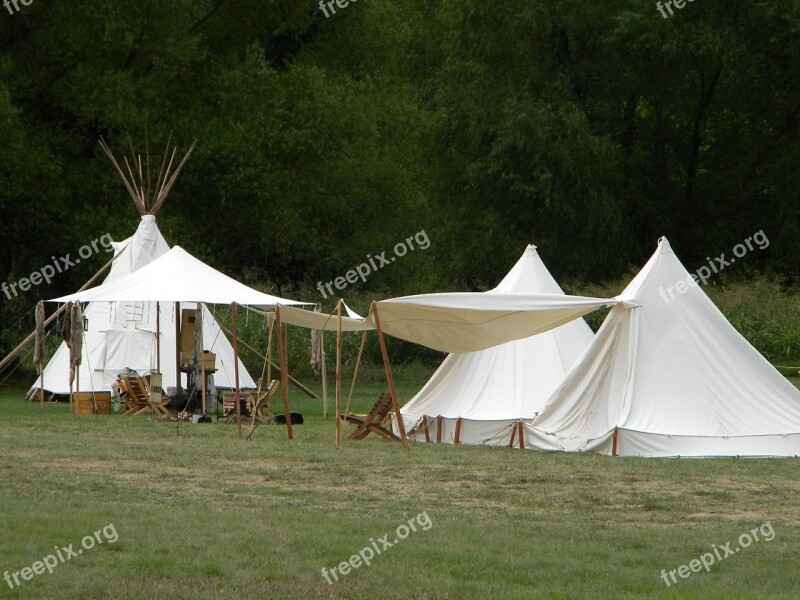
589, 128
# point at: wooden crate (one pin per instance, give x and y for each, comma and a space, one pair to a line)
83, 403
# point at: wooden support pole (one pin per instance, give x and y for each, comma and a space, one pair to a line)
457, 439
615, 442
178, 346
400, 425
338, 372
324, 376
237, 394
201, 320
338, 376
272, 365
284, 370
158, 337
521, 435
426, 425
439, 427
513, 435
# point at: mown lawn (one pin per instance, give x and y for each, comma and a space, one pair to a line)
202, 514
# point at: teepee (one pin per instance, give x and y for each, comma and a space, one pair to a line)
125, 334
667, 375
485, 394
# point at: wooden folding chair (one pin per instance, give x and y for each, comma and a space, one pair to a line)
372, 422
158, 403
142, 400
262, 409
263, 406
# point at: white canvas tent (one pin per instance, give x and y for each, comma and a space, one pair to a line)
669, 376
177, 276
122, 334
491, 390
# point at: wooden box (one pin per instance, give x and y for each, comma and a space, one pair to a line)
83, 403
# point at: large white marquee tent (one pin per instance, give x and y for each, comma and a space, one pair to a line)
667, 375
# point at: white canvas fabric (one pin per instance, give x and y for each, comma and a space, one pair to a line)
493, 389
673, 378
470, 321
320, 321
132, 327
177, 276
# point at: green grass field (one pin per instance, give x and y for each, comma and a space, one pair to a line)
201, 514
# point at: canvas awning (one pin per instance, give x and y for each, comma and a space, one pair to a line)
473, 321
323, 322
177, 276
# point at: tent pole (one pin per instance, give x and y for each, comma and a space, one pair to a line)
178, 346
614, 442
338, 372
324, 376
292, 380
237, 395
283, 361
202, 358
158, 337
389, 376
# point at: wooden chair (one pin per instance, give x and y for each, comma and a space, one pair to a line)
372, 422
263, 406
141, 399
229, 404
262, 409
158, 403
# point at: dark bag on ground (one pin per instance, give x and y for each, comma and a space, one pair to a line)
296, 417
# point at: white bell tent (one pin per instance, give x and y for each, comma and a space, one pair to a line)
667, 375
491, 390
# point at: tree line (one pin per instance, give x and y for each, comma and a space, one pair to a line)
588, 128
